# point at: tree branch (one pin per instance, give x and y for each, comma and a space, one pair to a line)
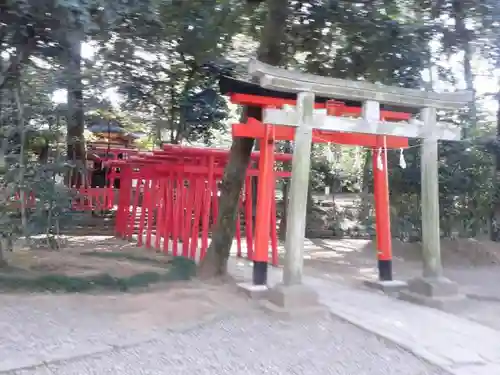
16, 61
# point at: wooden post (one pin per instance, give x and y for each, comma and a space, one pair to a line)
297, 207
431, 251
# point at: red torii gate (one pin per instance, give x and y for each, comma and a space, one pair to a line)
268, 134
179, 189
210, 162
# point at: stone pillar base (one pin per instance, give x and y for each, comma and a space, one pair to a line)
292, 301
257, 292
440, 293
391, 287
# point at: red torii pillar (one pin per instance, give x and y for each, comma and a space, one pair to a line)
265, 191
382, 211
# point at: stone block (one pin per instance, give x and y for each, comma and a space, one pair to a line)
387, 287
254, 291
293, 301
292, 296
433, 287
440, 293
450, 304
305, 311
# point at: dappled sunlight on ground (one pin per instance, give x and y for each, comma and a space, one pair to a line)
474, 268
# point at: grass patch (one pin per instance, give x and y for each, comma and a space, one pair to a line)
126, 256
179, 269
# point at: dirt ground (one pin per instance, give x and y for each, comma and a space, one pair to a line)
75, 258
177, 304
351, 256
474, 265
185, 304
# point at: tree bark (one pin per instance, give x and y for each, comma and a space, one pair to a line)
464, 37
5, 246
284, 213
287, 166
495, 212
365, 187
22, 129
17, 60
75, 118
270, 51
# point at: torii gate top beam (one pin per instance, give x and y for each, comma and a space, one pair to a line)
294, 82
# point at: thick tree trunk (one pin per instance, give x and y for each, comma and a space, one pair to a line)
287, 166
43, 156
312, 215
75, 119
22, 167
310, 203
215, 262
365, 187
5, 245
495, 205
24, 50
255, 187
367, 166
464, 37
284, 213
271, 52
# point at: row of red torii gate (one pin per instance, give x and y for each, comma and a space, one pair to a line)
168, 199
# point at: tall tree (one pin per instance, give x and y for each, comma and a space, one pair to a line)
271, 51
491, 50
75, 118
163, 68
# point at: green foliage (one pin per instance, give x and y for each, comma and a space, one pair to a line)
163, 58
126, 256
71, 284
48, 203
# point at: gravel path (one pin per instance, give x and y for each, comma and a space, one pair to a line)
252, 344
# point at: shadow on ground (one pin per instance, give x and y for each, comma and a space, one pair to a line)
474, 265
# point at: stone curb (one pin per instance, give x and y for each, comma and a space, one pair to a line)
483, 297
475, 365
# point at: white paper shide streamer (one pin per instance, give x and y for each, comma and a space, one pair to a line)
357, 159
380, 163
330, 157
402, 161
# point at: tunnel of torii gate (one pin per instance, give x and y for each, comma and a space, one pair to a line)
252, 95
